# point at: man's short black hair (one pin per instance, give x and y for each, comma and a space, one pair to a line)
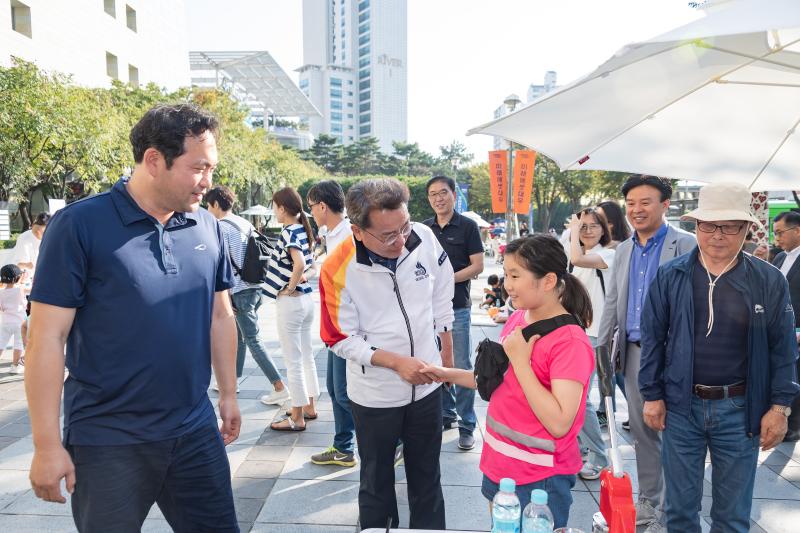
165, 127
790, 218
222, 196
635, 180
329, 192
450, 182
41, 219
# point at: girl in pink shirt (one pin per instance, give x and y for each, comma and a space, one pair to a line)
535, 415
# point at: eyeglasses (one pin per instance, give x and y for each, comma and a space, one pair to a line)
441, 195
779, 233
726, 229
310, 205
391, 238
590, 227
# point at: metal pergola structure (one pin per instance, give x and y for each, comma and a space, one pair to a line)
254, 78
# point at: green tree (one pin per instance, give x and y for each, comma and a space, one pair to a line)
325, 152
547, 178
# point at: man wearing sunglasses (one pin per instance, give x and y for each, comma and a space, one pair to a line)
718, 364
387, 309
786, 227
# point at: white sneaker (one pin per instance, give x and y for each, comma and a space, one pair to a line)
276, 397
18, 369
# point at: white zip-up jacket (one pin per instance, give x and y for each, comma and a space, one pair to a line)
366, 306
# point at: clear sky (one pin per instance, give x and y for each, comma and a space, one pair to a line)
464, 56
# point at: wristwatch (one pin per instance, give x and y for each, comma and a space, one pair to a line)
782, 409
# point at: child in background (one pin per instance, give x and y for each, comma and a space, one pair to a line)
492, 292
12, 314
501, 317
536, 413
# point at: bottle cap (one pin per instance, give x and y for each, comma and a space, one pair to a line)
507, 484
539, 497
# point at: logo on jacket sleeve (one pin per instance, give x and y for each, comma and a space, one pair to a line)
442, 258
421, 272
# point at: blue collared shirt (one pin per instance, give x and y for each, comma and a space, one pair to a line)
139, 349
644, 264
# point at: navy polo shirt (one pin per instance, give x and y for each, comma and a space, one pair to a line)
139, 350
460, 238
720, 358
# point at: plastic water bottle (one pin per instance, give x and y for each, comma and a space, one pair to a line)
505, 508
537, 517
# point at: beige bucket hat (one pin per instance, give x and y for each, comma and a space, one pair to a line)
723, 201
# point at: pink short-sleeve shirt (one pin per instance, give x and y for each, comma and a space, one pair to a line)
517, 445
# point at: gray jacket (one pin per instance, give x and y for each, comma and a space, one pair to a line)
612, 326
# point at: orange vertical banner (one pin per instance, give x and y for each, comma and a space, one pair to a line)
498, 172
524, 161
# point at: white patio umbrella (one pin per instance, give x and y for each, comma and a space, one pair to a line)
257, 209
477, 218
715, 100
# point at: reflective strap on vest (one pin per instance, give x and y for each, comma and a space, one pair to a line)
521, 438
508, 450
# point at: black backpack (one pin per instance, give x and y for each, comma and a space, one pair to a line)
256, 256
491, 362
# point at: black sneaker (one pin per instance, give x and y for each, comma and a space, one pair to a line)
449, 424
602, 419
626, 425
466, 441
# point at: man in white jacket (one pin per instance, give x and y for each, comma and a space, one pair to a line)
386, 295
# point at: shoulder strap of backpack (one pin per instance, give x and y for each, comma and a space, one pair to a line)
230, 256
543, 327
602, 281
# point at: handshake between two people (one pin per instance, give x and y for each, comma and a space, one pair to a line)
417, 372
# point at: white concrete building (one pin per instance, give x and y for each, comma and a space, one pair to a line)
354, 72
134, 41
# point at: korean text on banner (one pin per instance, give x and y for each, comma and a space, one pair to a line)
498, 170
524, 161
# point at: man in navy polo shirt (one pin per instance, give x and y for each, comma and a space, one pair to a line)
135, 282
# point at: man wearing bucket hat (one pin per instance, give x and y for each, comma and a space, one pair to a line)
718, 363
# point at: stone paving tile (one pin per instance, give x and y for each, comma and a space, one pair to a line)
460, 469
15, 430
252, 487
29, 504
788, 472
17, 456
259, 469
582, 509
7, 441
301, 528
466, 509
311, 502
247, 509
37, 524
269, 453
776, 516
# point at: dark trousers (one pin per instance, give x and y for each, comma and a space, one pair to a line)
419, 426
188, 477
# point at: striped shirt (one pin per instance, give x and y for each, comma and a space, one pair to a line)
280, 261
235, 232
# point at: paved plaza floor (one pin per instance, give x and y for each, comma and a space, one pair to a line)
278, 490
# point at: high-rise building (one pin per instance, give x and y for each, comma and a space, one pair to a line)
354, 71
534, 92
96, 41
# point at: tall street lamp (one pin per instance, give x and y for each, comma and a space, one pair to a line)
511, 102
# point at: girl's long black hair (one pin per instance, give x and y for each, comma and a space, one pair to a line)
542, 254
